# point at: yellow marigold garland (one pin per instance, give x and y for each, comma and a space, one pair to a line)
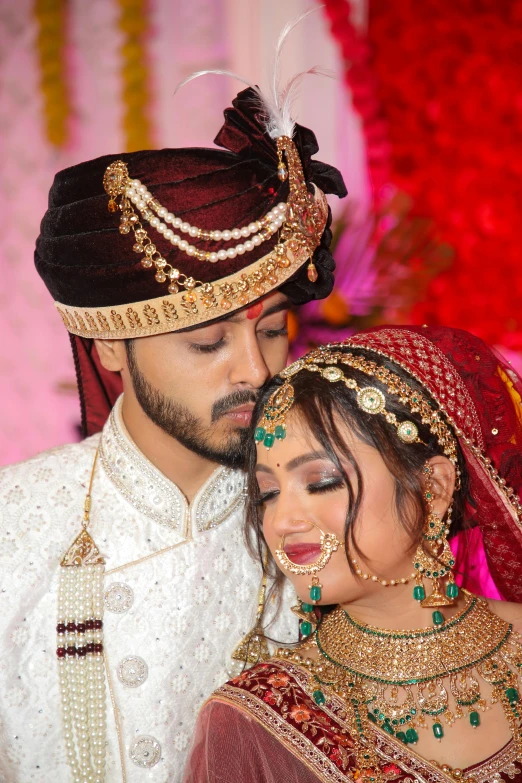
50, 43
133, 23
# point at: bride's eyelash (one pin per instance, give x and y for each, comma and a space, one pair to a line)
262, 499
327, 485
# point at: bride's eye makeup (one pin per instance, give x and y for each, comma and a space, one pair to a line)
326, 484
321, 479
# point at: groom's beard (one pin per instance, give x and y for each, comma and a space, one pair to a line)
181, 424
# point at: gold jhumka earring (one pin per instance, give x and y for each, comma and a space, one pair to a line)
434, 559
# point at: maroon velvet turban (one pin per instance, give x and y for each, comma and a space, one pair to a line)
86, 262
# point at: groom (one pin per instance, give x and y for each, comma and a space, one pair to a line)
173, 271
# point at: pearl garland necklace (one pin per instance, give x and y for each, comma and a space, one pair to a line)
298, 222
80, 655
261, 230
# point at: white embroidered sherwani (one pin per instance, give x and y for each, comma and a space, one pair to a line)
180, 593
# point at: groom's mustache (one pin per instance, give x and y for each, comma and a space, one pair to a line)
231, 401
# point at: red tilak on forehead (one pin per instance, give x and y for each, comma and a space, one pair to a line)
254, 311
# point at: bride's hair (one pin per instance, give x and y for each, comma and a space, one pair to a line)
321, 406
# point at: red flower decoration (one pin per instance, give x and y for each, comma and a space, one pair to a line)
299, 714
270, 698
279, 680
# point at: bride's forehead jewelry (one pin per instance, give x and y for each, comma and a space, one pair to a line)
332, 366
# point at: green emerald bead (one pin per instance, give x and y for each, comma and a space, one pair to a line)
259, 434
512, 695
280, 432
474, 719
386, 726
452, 590
412, 736
401, 736
438, 618
269, 440
307, 607
438, 730
419, 593
315, 593
372, 717
319, 697
306, 628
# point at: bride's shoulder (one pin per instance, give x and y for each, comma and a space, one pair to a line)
508, 611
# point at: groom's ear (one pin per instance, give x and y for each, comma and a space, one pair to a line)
112, 354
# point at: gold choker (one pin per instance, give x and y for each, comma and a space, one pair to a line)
396, 679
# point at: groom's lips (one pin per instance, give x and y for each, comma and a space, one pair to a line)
302, 554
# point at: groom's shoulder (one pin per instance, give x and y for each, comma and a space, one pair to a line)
41, 505
59, 461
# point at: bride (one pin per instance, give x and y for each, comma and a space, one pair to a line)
370, 456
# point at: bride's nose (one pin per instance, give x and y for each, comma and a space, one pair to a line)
285, 524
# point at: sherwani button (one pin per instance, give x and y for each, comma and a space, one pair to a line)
145, 751
132, 671
118, 597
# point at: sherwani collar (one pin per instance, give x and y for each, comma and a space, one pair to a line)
149, 491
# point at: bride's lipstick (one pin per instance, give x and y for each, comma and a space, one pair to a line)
303, 553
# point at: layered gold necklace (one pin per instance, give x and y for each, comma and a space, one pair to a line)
403, 681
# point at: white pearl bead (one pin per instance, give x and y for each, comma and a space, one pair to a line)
231, 252
154, 222
169, 234
183, 244
226, 235
236, 233
191, 250
216, 236
246, 231
176, 222
162, 212
253, 227
213, 258
162, 228
249, 245
240, 249
282, 206
193, 231
222, 255
169, 217
141, 189
136, 183
256, 239
140, 204
273, 227
185, 227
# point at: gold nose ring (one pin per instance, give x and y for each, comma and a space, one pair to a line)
329, 544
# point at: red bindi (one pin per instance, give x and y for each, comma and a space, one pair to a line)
254, 311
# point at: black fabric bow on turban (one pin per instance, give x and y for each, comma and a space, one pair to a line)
88, 265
